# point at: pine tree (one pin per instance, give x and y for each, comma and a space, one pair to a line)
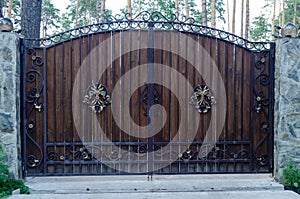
102, 10
247, 25
283, 13
187, 9
204, 13
31, 18
9, 10
228, 16
233, 16
213, 13
177, 8
1, 6
295, 12
129, 8
84, 12
242, 18
261, 29
50, 17
273, 18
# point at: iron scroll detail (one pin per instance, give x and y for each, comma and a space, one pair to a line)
202, 98
97, 97
141, 21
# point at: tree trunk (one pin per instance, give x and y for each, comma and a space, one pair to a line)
9, 10
273, 18
139, 6
77, 13
242, 18
1, 6
187, 9
213, 13
98, 11
295, 13
233, 16
129, 8
139, 9
279, 19
102, 11
176, 8
228, 16
247, 26
204, 13
283, 14
31, 11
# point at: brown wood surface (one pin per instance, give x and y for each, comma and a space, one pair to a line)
63, 60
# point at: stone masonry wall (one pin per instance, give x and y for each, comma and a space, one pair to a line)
287, 104
10, 100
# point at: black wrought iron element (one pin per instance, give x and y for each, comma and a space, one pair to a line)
202, 98
158, 21
52, 145
144, 97
97, 97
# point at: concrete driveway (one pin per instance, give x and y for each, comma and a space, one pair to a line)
235, 186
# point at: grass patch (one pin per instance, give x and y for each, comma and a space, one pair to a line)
291, 175
7, 182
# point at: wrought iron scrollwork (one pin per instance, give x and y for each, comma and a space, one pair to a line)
142, 20
202, 98
97, 97
35, 83
218, 152
144, 98
262, 78
262, 101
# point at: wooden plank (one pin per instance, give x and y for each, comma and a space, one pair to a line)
143, 61
68, 92
199, 80
135, 100
222, 68
59, 75
230, 93
126, 42
158, 60
76, 62
166, 93
116, 72
207, 77
238, 93
246, 96
50, 95
175, 114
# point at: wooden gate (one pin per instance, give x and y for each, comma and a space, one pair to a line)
52, 71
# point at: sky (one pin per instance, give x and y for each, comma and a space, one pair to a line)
116, 5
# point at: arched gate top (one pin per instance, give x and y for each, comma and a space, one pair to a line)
146, 20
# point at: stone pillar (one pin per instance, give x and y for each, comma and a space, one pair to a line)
287, 104
10, 100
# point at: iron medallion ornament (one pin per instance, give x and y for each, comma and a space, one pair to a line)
97, 97
202, 98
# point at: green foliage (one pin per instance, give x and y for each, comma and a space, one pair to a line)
220, 11
289, 12
89, 12
261, 29
7, 183
15, 14
167, 8
50, 16
291, 175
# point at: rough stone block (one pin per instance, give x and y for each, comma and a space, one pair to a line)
10, 100
287, 104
